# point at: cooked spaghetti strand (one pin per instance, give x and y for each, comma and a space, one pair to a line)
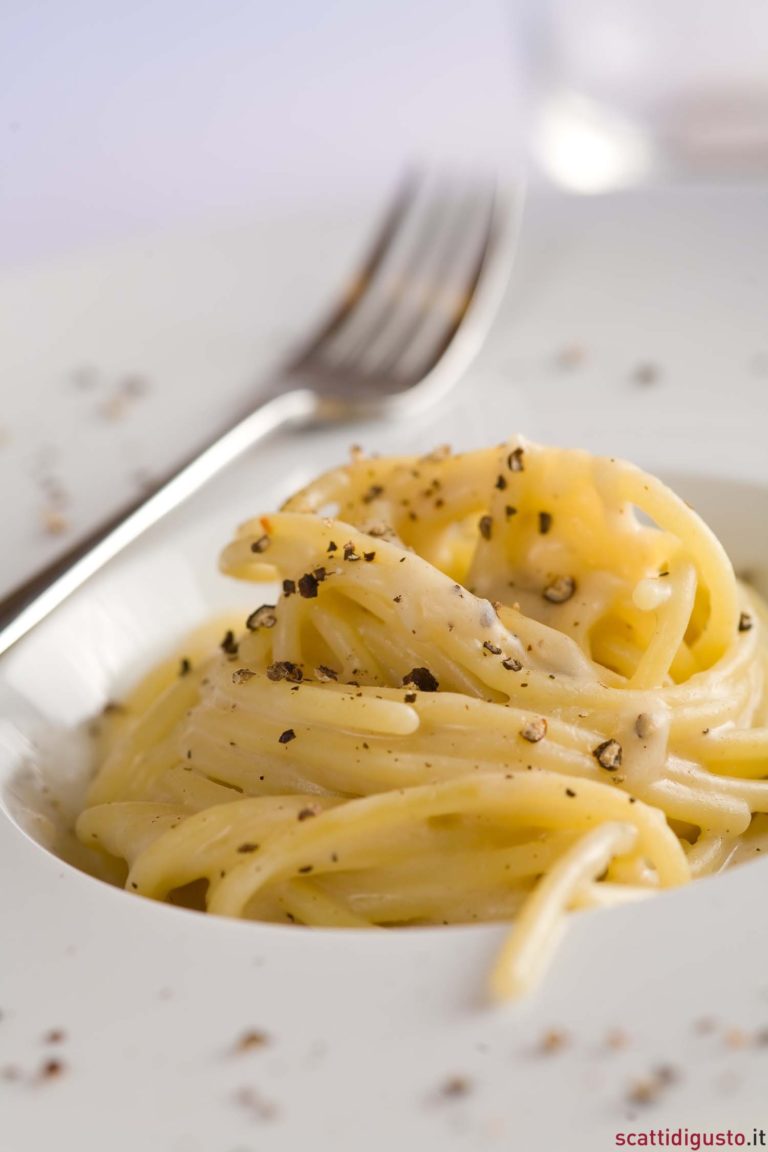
498, 686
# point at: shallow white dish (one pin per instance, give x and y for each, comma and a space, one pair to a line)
365, 1030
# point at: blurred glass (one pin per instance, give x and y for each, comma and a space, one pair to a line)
633, 91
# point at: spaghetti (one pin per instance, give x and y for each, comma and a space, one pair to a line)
495, 686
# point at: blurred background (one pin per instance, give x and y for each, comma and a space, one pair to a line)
118, 118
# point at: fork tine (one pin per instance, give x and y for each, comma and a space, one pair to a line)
439, 283
414, 299
419, 344
466, 293
402, 341
396, 213
409, 249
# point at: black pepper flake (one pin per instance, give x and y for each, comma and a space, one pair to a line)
643, 725
308, 586
260, 545
381, 531
289, 587
250, 1040
545, 522
534, 730
369, 556
285, 670
492, 648
349, 552
553, 1041
455, 1087
229, 644
247, 847
510, 511
305, 868
319, 574
397, 599
372, 494
736, 1038
745, 622
511, 664
51, 1069
646, 373
410, 698
242, 675
332, 547
306, 814
264, 617
185, 666
422, 679
515, 460
55, 1036
570, 793
648, 1090
287, 736
485, 527
642, 1092
560, 590
323, 672
608, 755
501, 483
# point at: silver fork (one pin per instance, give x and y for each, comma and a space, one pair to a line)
401, 335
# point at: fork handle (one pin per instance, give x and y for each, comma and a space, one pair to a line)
30, 602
